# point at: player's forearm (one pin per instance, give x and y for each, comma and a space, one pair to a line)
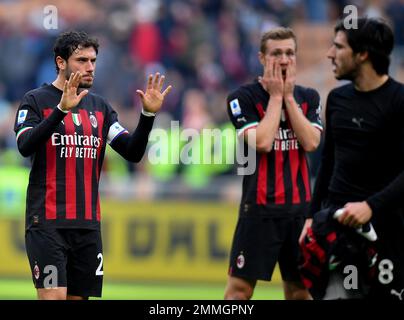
132, 147
389, 198
324, 175
269, 125
307, 135
30, 139
320, 192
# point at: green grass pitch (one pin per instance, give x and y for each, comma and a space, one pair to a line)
16, 289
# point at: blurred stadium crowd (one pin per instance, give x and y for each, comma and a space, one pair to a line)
206, 48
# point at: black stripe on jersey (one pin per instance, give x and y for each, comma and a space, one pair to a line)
287, 178
94, 186
80, 194
60, 179
300, 185
271, 178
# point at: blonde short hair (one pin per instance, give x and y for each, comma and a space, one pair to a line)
279, 33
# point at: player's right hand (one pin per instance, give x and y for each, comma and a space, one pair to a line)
70, 98
306, 226
272, 80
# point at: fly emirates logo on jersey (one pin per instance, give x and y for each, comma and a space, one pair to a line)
285, 140
76, 146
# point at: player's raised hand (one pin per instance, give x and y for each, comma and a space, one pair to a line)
290, 79
272, 80
70, 98
153, 98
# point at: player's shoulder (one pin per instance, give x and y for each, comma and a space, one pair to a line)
396, 93
344, 89
247, 89
397, 86
41, 97
41, 91
306, 91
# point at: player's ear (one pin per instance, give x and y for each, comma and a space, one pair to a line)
362, 56
261, 58
61, 63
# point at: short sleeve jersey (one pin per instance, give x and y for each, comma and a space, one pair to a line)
280, 184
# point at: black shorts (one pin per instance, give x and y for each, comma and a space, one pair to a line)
69, 258
260, 241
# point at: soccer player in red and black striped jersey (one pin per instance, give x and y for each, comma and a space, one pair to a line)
283, 120
64, 129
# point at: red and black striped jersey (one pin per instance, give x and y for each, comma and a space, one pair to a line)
280, 184
63, 183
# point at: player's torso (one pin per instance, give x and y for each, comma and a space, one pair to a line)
63, 187
367, 137
281, 180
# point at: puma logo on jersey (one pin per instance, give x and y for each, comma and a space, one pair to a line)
398, 294
358, 122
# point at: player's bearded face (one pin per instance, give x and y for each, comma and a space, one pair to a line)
86, 81
344, 64
82, 60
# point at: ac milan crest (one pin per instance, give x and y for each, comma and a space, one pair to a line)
36, 272
240, 261
93, 121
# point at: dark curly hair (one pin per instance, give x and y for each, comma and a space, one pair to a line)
67, 42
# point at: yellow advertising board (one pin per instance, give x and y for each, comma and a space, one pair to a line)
154, 241
168, 241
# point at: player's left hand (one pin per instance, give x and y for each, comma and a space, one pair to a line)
355, 214
290, 79
153, 98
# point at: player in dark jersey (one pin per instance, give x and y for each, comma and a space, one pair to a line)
64, 129
362, 169
282, 119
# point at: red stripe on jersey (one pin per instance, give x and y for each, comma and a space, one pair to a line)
279, 183
262, 168
70, 171
50, 196
305, 175
88, 167
294, 169
304, 107
262, 179
100, 125
260, 109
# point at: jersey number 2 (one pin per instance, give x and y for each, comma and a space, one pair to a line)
99, 271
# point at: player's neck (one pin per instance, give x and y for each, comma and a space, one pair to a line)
367, 80
59, 82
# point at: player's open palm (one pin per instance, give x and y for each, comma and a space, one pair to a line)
153, 98
290, 79
70, 98
272, 80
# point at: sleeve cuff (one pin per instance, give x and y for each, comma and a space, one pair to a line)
148, 114
373, 204
241, 131
58, 106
